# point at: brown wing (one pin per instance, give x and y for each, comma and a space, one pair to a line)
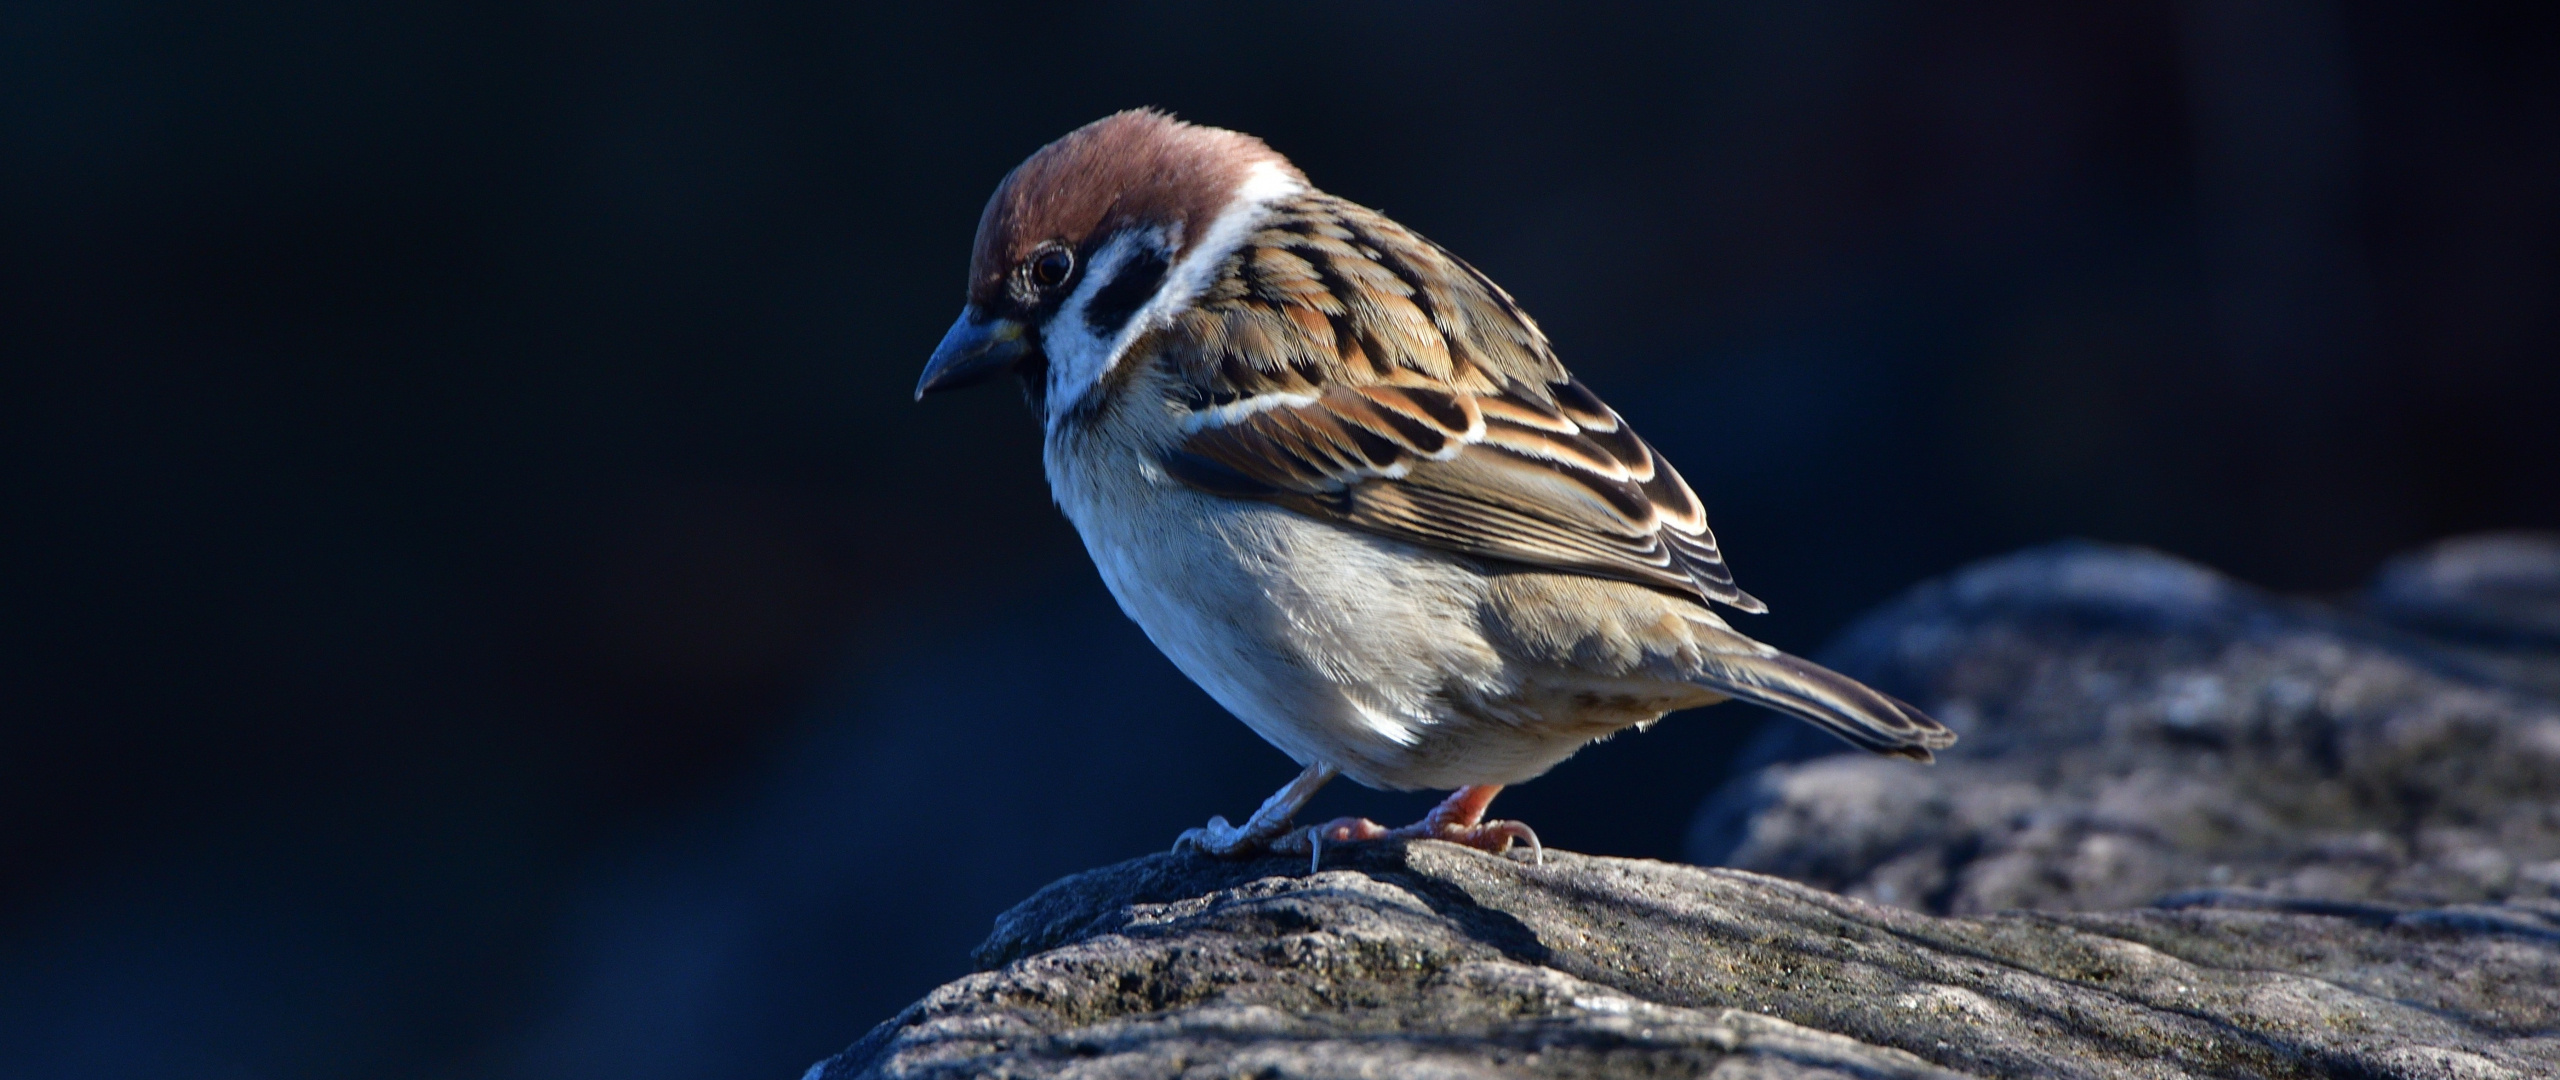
1353, 371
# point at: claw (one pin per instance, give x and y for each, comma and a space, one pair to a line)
1490, 837
1506, 833
1219, 839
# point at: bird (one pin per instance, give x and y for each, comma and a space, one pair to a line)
1343, 482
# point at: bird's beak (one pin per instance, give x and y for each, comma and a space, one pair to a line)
976, 349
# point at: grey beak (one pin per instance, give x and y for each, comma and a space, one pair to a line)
976, 349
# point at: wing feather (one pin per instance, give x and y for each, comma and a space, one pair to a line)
1350, 370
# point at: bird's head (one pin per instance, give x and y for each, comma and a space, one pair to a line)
1094, 237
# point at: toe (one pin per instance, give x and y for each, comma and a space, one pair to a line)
1216, 838
1345, 830
1495, 837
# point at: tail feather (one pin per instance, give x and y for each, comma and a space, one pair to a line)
1859, 714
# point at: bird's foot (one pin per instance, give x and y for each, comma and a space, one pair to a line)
1459, 819
1493, 837
1268, 824
1226, 841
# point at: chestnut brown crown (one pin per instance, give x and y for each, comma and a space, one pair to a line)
1140, 167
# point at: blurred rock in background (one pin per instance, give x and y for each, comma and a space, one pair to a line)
2138, 728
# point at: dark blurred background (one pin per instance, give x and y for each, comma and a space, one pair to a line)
480, 602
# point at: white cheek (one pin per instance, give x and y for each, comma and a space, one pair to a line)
1078, 358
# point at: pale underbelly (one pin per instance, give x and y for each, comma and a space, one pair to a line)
1358, 651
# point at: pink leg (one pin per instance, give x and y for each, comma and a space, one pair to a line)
1459, 819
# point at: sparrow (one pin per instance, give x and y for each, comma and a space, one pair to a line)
1342, 481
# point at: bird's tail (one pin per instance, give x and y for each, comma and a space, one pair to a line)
1859, 714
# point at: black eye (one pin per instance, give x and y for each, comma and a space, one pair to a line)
1052, 267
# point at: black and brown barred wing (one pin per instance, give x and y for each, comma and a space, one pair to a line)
1352, 371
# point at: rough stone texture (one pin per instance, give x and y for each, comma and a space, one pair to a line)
1431, 960
2268, 838
2138, 728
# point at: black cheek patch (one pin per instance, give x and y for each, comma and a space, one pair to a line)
1126, 292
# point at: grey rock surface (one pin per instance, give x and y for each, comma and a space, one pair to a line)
1433, 960
2193, 830
2493, 588
2139, 729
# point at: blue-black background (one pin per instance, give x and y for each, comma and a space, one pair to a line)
480, 602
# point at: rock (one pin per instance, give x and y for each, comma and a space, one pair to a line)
2138, 729
2192, 830
2493, 598
2495, 588
1430, 960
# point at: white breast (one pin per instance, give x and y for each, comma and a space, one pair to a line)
1336, 646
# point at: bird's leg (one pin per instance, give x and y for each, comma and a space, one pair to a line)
1224, 840
1459, 819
